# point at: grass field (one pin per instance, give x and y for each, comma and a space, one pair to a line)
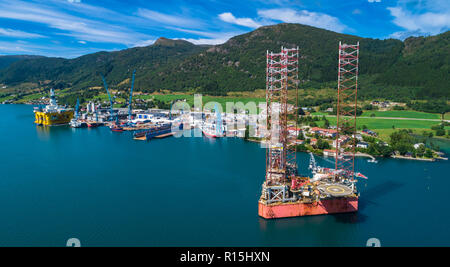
27, 98
384, 126
375, 124
8, 97
402, 114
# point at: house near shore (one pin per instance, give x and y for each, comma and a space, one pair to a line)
357, 136
342, 140
299, 142
329, 133
329, 153
416, 146
293, 131
364, 145
369, 132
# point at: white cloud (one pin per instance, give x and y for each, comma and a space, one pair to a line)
402, 35
205, 41
18, 34
419, 24
247, 22
77, 27
212, 38
144, 43
315, 19
374, 1
74, 1
175, 20
51, 50
82, 42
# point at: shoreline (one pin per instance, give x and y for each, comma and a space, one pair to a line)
411, 158
365, 155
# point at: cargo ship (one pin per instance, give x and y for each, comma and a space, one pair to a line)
212, 130
94, 124
153, 132
53, 114
323, 193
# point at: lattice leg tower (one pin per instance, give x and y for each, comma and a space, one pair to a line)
346, 110
282, 75
291, 73
275, 96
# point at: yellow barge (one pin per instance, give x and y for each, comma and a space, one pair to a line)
53, 114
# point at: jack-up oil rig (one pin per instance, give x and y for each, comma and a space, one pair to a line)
285, 193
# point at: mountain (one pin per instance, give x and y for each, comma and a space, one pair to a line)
84, 71
424, 63
387, 67
6, 61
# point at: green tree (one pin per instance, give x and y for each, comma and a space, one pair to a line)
247, 132
420, 151
323, 144
302, 148
440, 132
402, 141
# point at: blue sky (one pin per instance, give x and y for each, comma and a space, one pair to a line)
70, 28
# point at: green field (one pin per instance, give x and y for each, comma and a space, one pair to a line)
27, 98
375, 124
402, 114
8, 97
384, 126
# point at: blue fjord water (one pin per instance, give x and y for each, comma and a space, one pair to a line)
106, 189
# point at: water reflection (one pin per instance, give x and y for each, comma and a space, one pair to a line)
43, 132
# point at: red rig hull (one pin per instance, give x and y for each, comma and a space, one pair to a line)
324, 206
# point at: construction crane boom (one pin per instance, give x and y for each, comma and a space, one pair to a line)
131, 96
77, 107
111, 102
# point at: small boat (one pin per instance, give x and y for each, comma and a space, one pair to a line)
372, 161
140, 136
116, 128
77, 124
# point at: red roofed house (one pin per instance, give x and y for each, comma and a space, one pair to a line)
330, 133
293, 131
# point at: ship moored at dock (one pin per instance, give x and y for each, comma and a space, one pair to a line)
53, 114
156, 131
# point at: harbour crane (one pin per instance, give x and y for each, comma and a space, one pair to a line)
219, 130
111, 102
131, 97
77, 107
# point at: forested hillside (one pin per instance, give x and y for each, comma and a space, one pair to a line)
415, 68
6, 61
